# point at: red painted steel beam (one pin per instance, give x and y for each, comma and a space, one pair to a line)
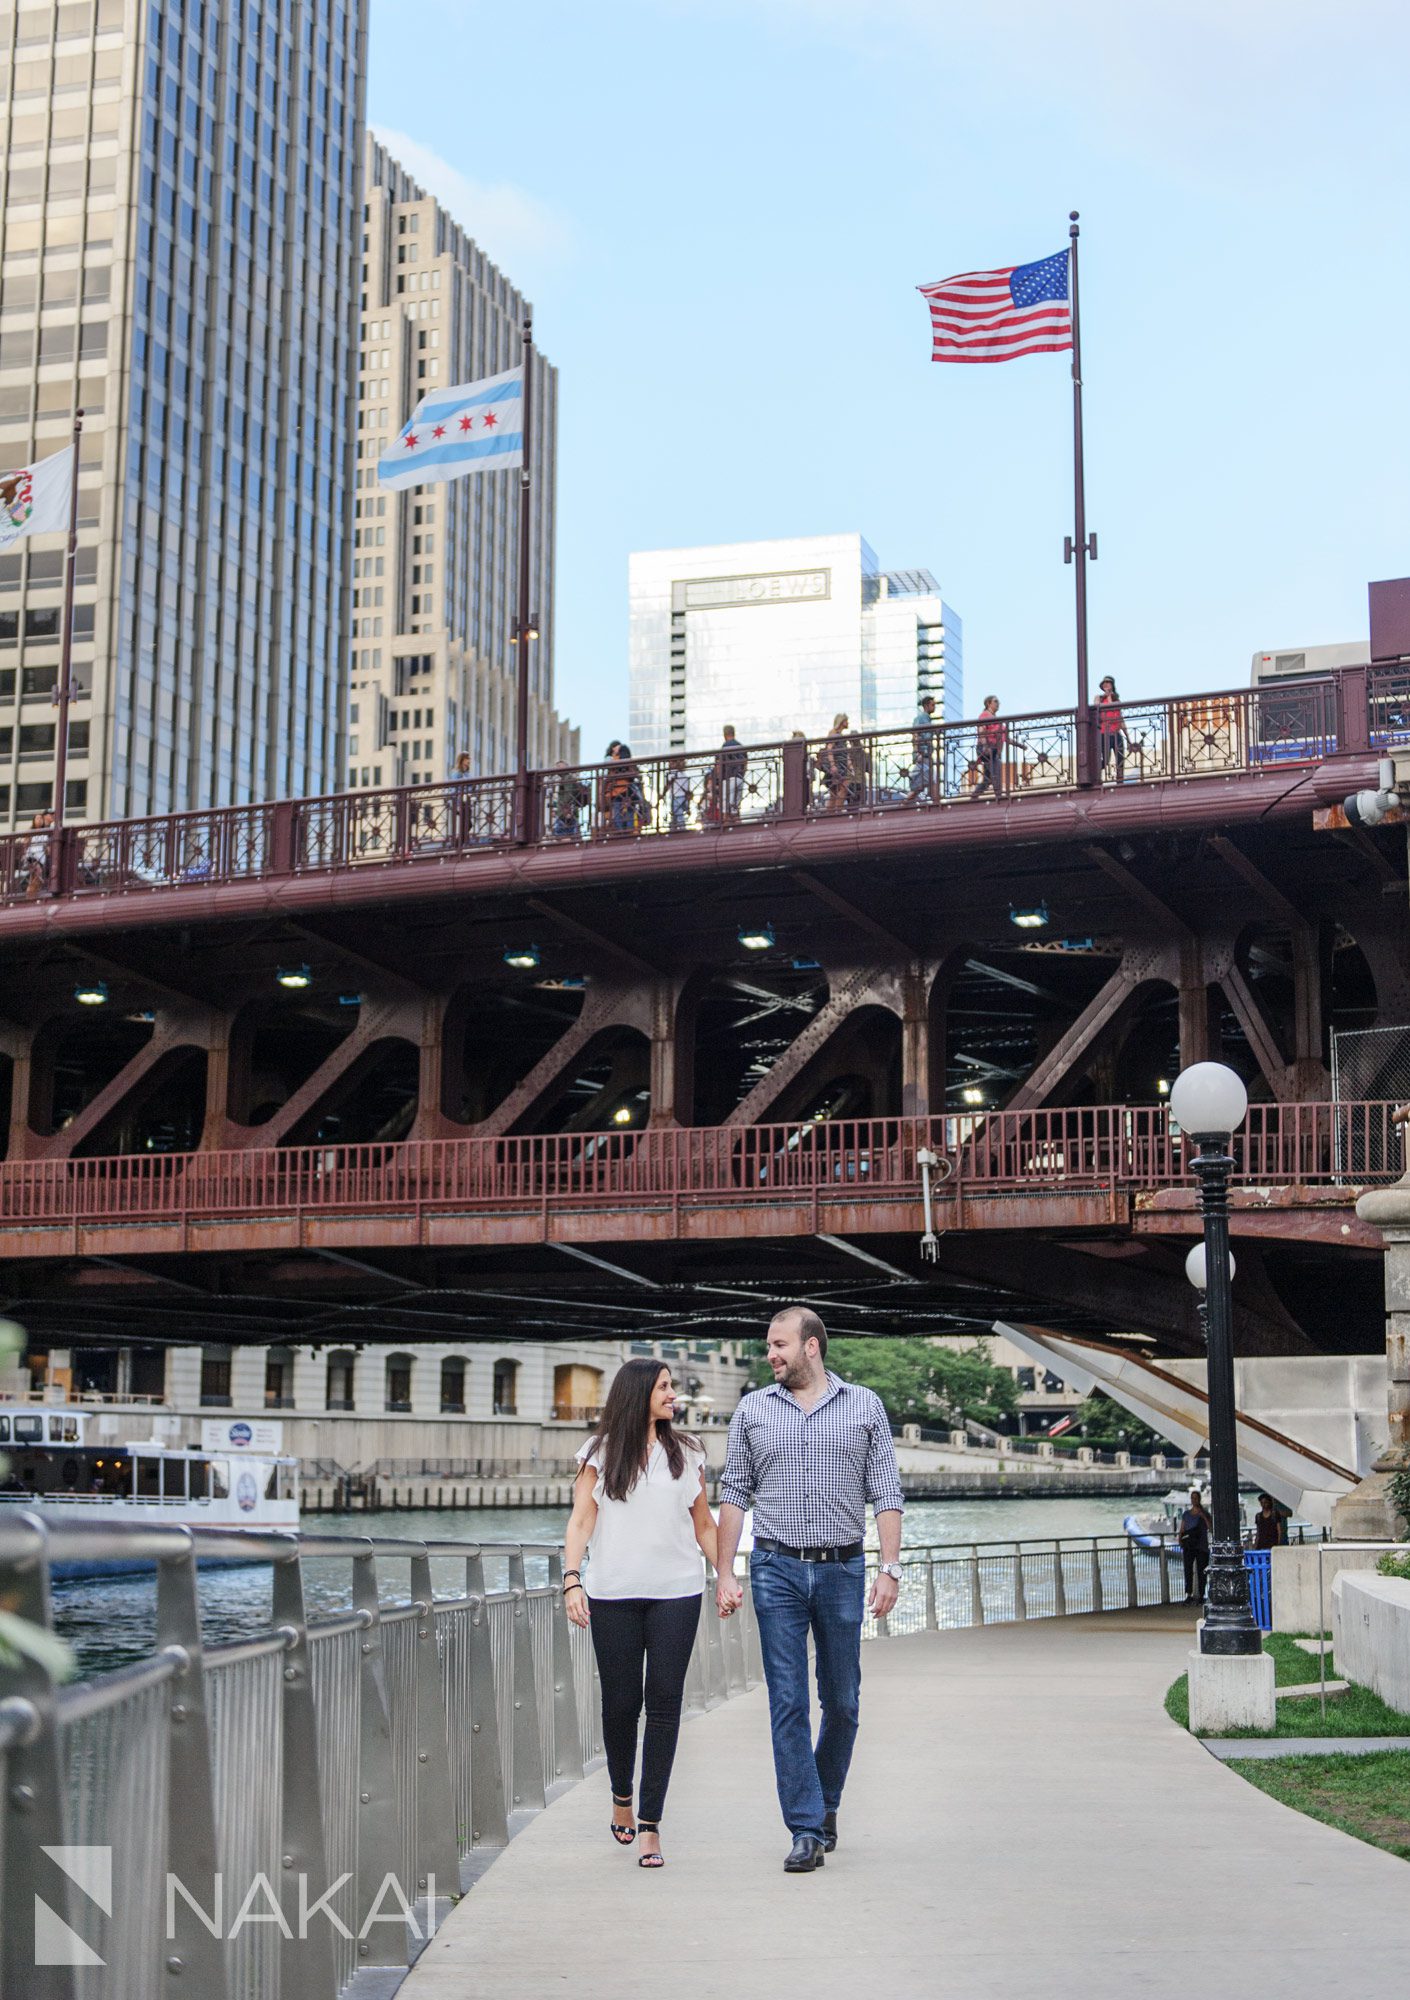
952, 828
716, 1222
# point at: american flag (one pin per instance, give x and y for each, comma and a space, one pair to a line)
998, 315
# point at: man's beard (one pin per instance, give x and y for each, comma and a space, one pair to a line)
797, 1375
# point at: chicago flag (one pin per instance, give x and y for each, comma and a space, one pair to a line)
478, 427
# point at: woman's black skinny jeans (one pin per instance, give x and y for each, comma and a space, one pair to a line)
642, 1645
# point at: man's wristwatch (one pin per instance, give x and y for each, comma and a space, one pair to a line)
889, 1569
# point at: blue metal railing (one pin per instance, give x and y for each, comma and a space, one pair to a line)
1260, 1586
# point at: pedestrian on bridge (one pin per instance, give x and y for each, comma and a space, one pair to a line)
640, 1514
731, 761
834, 762
990, 742
923, 768
810, 1453
1111, 728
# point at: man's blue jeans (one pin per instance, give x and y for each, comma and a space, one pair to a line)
791, 1599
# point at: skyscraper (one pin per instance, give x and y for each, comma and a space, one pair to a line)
777, 636
178, 248
434, 568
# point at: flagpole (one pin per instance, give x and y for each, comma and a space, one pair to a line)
1078, 545
523, 622
61, 755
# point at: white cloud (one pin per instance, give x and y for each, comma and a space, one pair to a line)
523, 235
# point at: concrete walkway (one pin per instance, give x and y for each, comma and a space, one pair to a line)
1022, 1822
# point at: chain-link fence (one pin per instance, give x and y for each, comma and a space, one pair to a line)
1369, 1065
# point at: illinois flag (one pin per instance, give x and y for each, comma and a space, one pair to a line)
36, 499
478, 427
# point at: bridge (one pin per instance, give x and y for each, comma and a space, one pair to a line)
375, 1798
384, 1059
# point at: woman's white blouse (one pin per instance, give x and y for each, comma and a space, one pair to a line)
645, 1546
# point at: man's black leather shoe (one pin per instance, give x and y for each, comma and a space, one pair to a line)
829, 1832
805, 1856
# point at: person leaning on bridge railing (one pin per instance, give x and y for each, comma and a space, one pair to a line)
567, 799
639, 1510
834, 763
810, 1453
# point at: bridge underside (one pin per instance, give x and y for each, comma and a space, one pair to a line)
892, 984
1295, 1295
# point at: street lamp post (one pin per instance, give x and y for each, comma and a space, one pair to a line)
1209, 1103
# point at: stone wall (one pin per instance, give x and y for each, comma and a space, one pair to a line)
1371, 1635
1294, 1581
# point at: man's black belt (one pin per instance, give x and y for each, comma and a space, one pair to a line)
811, 1555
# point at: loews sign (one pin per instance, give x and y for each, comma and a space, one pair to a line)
792, 586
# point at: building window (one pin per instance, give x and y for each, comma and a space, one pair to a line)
339, 1395
453, 1384
577, 1393
215, 1381
279, 1379
506, 1388
399, 1367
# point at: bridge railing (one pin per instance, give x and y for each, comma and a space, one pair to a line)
279, 1816
689, 793
1074, 1149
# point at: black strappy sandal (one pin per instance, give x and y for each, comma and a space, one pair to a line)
650, 1860
623, 1835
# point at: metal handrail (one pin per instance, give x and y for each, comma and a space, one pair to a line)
328, 1758
1181, 737
1101, 1150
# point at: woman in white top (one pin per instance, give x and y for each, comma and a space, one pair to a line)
640, 1512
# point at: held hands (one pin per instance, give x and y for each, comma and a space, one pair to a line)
884, 1592
729, 1595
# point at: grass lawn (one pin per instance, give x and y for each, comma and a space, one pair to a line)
1366, 1796
1358, 1712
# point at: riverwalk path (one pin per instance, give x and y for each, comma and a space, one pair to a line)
1023, 1822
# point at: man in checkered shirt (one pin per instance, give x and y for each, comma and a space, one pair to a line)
810, 1453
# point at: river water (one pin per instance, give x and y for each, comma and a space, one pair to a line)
111, 1621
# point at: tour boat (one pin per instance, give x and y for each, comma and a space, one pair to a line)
56, 1470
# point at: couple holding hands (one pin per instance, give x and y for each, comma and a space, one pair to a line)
809, 1453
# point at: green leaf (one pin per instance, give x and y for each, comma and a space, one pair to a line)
21, 1640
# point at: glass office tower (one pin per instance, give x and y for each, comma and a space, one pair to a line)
178, 250
783, 635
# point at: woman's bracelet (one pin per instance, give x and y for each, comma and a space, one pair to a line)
571, 1572
572, 1586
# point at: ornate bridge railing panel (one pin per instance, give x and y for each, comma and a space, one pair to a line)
1388, 699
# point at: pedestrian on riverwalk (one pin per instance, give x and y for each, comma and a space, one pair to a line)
1193, 1536
810, 1453
641, 1516
1270, 1524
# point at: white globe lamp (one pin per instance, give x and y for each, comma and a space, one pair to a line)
1208, 1098
1196, 1270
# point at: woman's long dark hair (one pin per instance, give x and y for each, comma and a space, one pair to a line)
624, 1428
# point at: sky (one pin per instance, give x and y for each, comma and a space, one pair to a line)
721, 210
